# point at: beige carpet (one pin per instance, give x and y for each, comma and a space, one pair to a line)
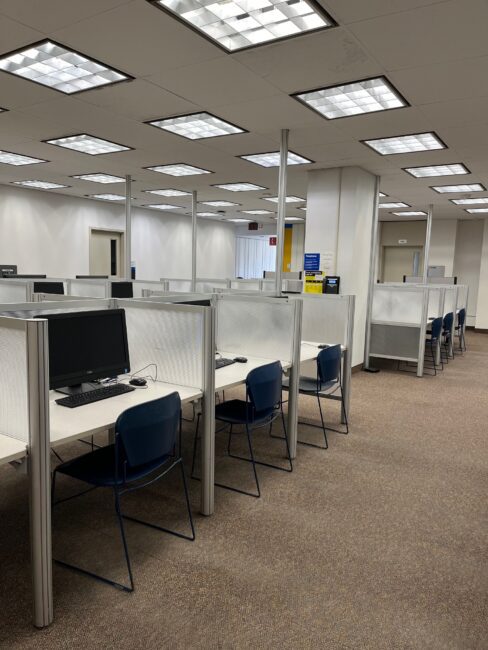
379, 542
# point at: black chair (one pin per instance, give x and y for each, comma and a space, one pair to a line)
433, 343
324, 385
144, 451
262, 406
446, 334
459, 329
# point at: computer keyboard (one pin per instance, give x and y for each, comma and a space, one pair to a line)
80, 399
222, 362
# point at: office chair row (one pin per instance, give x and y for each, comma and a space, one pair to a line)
440, 337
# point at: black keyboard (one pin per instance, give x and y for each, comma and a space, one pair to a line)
222, 362
80, 399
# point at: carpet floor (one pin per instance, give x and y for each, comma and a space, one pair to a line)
380, 542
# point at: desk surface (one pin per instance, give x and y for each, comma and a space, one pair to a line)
70, 424
236, 374
310, 349
11, 449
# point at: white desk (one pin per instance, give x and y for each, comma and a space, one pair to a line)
11, 449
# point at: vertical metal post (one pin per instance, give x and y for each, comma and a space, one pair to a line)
208, 414
128, 226
39, 463
423, 329
280, 224
194, 241
428, 233
347, 358
294, 377
372, 271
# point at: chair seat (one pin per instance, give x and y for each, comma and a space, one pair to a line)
237, 411
309, 385
98, 468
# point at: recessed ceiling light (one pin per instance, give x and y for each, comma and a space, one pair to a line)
236, 25
169, 192
411, 214
398, 204
355, 98
240, 187
40, 185
220, 204
178, 169
163, 206
382, 194
406, 143
289, 199
427, 171
197, 126
469, 201
9, 158
291, 218
54, 65
304, 208
472, 187
272, 159
100, 178
85, 143
239, 220
207, 214
477, 210
257, 212
107, 197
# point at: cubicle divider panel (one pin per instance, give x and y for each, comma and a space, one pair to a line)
15, 290
326, 318
139, 287
247, 285
450, 299
14, 411
397, 304
400, 342
89, 288
177, 284
435, 306
211, 285
33, 309
256, 326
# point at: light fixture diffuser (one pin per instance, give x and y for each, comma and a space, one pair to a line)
382, 195
239, 24
471, 187
56, 66
257, 212
354, 98
291, 218
398, 204
239, 220
220, 204
412, 213
179, 169
169, 192
207, 214
107, 197
85, 143
40, 185
197, 126
100, 178
477, 210
163, 206
405, 143
240, 187
428, 171
272, 159
288, 199
17, 159
469, 201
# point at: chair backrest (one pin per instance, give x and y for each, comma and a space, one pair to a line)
436, 328
461, 317
148, 431
448, 319
329, 364
264, 386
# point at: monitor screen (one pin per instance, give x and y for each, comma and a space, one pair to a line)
49, 287
122, 290
29, 276
7, 270
91, 277
86, 345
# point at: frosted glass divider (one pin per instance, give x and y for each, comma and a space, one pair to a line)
177, 284
14, 413
89, 288
32, 309
15, 290
140, 286
462, 296
399, 304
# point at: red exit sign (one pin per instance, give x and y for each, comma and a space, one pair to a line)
272, 241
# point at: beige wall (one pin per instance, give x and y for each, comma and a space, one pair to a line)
412, 231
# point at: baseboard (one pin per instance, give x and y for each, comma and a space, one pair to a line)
357, 368
480, 330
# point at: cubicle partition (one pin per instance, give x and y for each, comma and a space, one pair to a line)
12, 290
89, 288
177, 284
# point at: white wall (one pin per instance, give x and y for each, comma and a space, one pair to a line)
467, 261
482, 306
49, 233
442, 244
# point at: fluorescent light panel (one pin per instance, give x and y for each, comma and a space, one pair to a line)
406, 143
382, 194
272, 159
429, 171
179, 169
240, 187
355, 98
472, 187
163, 206
17, 159
197, 126
239, 220
40, 185
289, 199
257, 212
53, 65
239, 24
107, 197
398, 204
220, 204
470, 201
477, 210
291, 218
207, 214
169, 192
411, 214
85, 143
100, 178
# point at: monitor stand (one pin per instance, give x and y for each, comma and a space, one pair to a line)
77, 388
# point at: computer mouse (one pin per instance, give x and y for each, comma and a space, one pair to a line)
240, 359
323, 346
137, 381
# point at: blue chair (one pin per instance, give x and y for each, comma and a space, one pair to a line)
262, 406
459, 329
446, 334
433, 343
143, 452
324, 385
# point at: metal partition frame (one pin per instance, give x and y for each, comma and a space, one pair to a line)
89, 288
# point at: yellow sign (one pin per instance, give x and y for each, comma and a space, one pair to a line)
313, 281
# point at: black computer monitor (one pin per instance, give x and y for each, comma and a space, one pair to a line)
30, 276
203, 303
122, 290
84, 346
49, 287
331, 284
91, 277
7, 270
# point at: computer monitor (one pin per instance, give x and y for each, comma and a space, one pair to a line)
85, 346
203, 303
122, 290
7, 270
49, 287
91, 277
331, 284
30, 276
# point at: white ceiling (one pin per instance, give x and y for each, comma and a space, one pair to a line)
435, 53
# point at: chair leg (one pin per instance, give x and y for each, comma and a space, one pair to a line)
251, 460
195, 444
317, 426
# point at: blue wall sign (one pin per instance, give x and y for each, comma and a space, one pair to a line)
311, 262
